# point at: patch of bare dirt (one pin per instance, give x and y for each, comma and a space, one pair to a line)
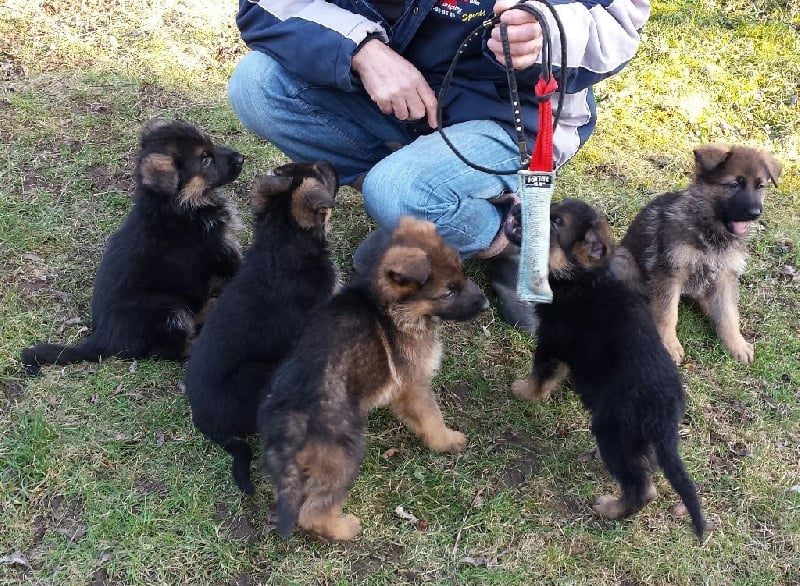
104, 179
12, 390
369, 561
237, 525
58, 515
521, 457
249, 580
145, 486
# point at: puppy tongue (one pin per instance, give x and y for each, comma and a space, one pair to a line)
739, 228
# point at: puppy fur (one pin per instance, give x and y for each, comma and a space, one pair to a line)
692, 243
174, 250
285, 273
375, 343
602, 333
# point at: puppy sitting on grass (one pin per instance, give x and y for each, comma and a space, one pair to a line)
174, 251
286, 272
602, 333
374, 343
693, 243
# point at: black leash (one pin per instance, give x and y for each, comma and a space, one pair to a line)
547, 73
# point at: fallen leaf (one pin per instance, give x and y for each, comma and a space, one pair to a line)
270, 523
133, 366
33, 257
73, 534
795, 488
422, 524
740, 449
479, 561
159, 438
390, 452
15, 559
403, 514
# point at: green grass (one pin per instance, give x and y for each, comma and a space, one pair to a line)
103, 478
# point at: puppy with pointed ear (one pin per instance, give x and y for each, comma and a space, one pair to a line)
601, 332
374, 343
286, 273
692, 243
162, 268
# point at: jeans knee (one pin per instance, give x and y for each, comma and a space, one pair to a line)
254, 86
391, 191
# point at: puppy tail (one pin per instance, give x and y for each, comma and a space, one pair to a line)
240, 470
290, 498
43, 353
671, 464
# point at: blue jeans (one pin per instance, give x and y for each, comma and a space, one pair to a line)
424, 178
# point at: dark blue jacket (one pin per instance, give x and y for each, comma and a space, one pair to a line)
315, 40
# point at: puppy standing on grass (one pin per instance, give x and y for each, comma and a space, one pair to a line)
285, 273
375, 343
602, 333
693, 243
162, 266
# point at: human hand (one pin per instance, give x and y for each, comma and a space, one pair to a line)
524, 35
394, 83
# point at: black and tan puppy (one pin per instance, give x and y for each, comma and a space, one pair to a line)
374, 343
285, 273
161, 267
692, 243
602, 333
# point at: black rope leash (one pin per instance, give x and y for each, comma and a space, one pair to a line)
547, 73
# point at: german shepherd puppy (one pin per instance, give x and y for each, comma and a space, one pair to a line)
162, 266
692, 243
374, 343
285, 273
601, 331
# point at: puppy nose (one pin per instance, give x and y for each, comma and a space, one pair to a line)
754, 212
238, 159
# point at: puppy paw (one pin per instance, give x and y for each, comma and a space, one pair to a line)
609, 506
526, 390
742, 350
675, 349
348, 527
449, 441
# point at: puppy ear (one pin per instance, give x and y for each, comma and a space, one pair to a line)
401, 272
264, 188
595, 246
710, 156
158, 172
155, 124
292, 169
329, 174
406, 266
773, 167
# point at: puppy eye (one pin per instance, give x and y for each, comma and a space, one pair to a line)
452, 291
760, 185
206, 159
557, 221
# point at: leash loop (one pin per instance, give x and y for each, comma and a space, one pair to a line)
541, 96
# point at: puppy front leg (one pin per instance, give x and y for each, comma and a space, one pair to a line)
546, 374
721, 306
415, 405
665, 297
